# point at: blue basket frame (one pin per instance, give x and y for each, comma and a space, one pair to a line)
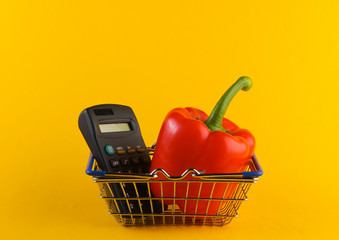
251, 174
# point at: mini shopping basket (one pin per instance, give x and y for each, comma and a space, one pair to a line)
172, 214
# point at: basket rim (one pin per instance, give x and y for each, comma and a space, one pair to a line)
193, 172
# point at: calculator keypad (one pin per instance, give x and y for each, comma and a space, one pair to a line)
130, 161
134, 160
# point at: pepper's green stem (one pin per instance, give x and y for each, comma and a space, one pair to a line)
214, 121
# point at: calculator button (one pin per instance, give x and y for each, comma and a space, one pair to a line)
116, 170
131, 150
120, 152
145, 159
135, 161
109, 150
114, 163
124, 161
141, 150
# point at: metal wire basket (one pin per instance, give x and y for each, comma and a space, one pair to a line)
235, 185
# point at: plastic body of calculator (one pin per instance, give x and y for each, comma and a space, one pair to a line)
114, 138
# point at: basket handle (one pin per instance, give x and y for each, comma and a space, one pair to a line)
254, 174
89, 168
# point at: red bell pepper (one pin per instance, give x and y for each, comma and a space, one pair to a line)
190, 139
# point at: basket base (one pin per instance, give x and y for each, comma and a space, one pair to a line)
173, 216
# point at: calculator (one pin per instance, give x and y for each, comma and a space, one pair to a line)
113, 135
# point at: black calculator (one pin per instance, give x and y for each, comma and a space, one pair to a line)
113, 135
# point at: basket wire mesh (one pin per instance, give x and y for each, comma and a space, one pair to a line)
236, 188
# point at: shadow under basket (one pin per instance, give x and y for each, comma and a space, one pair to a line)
180, 208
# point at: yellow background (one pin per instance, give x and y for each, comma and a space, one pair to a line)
59, 57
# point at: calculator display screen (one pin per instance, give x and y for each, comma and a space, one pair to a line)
114, 127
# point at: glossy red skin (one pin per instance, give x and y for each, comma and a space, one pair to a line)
185, 142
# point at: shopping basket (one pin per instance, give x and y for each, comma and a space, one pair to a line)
172, 214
